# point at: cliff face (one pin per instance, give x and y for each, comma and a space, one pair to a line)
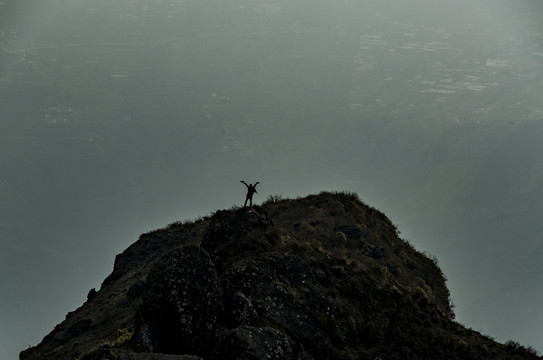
321, 277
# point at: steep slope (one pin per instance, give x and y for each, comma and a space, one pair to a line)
320, 277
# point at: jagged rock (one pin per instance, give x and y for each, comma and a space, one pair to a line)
283, 290
91, 294
181, 304
254, 343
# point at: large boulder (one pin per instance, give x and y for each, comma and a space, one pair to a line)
233, 234
181, 303
225, 224
284, 292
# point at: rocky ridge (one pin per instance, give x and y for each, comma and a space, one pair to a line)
320, 277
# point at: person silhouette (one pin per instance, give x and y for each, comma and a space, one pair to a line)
251, 189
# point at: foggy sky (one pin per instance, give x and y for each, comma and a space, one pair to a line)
120, 117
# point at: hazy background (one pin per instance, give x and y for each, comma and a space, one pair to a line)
121, 116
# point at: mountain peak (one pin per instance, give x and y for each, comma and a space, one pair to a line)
320, 277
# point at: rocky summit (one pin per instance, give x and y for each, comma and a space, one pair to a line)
320, 277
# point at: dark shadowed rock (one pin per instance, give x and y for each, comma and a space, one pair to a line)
181, 302
254, 343
136, 289
284, 291
80, 327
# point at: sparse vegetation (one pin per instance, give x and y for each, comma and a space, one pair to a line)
517, 348
271, 199
123, 337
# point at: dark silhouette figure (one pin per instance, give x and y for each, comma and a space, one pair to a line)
251, 189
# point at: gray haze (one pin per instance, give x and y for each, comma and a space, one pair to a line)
118, 117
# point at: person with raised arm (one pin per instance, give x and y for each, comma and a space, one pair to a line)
251, 190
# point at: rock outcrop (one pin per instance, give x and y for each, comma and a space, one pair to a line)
180, 304
283, 291
321, 277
